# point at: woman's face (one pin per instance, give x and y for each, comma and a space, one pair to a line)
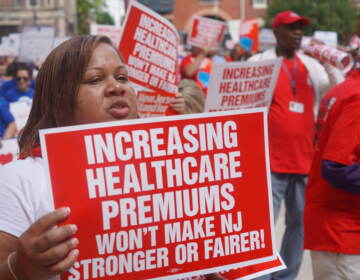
105, 93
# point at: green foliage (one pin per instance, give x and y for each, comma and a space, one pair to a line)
91, 11
325, 15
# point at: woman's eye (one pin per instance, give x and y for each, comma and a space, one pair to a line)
122, 78
94, 80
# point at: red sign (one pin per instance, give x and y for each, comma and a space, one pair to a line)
153, 104
256, 270
149, 45
206, 32
164, 198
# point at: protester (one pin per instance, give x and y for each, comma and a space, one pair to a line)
197, 66
301, 83
242, 50
7, 121
332, 209
83, 80
9, 78
193, 97
23, 90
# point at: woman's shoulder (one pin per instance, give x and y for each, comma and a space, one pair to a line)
26, 170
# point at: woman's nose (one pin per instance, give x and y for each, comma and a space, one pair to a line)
114, 87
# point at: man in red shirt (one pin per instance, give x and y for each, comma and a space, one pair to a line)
332, 210
197, 66
301, 82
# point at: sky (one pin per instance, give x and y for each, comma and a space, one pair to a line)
116, 10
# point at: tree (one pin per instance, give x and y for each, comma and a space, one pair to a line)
92, 11
326, 15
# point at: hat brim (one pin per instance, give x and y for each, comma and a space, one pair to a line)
304, 21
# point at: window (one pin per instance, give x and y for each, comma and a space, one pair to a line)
259, 4
208, 1
49, 3
32, 3
18, 3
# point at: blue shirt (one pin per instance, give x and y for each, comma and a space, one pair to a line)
5, 116
13, 94
11, 84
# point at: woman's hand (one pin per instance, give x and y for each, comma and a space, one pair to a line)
214, 276
178, 103
44, 250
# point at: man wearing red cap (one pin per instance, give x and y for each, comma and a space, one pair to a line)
301, 83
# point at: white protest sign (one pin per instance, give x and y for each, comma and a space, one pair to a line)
329, 38
110, 31
206, 32
59, 40
267, 39
20, 111
36, 42
240, 85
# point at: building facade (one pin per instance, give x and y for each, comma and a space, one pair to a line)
60, 14
219, 9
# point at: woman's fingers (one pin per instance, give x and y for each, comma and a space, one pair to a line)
53, 237
47, 222
66, 263
57, 253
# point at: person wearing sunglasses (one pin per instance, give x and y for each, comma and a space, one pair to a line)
23, 90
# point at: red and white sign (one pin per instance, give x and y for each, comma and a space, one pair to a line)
9, 150
245, 28
110, 31
256, 270
241, 85
165, 198
153, 104
335, 57
206, 32
149, 44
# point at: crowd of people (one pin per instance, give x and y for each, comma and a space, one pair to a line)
82, 77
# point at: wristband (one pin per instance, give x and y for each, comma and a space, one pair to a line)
9, 265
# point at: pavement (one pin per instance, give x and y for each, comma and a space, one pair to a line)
305, 270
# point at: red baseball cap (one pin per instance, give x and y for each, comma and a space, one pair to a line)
288, 17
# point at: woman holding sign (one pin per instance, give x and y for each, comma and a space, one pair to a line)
82, 81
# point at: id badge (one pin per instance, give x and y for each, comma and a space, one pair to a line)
296, 107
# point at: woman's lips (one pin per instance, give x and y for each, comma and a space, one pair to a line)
119, 110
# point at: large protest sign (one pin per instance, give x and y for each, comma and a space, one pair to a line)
206, 32
36, 42
256, 270
165, 198
149, 45
111, 31
9, 150
240, 85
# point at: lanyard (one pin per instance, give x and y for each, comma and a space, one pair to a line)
292, 76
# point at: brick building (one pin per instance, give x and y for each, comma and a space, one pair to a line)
219, 9
58, 13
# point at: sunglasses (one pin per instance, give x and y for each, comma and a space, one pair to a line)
22, 78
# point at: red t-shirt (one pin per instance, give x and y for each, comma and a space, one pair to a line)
291, 120
202, 75
332, 216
